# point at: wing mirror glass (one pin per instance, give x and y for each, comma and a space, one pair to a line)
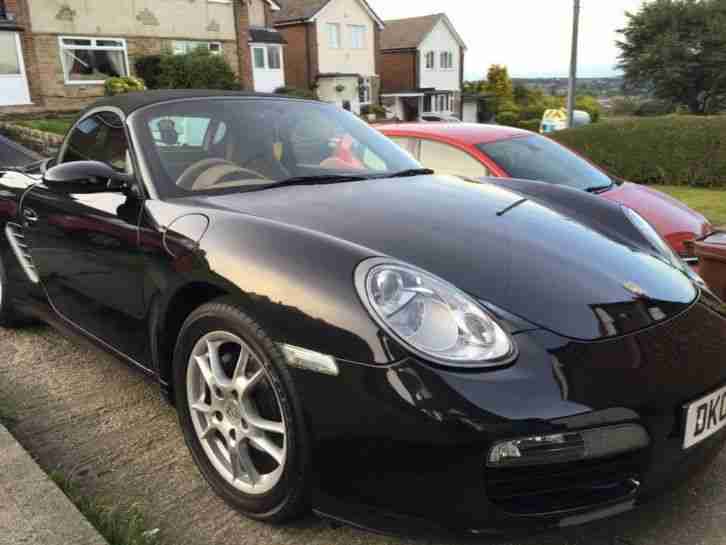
86, 177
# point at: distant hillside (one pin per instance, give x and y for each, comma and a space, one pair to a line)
598, 87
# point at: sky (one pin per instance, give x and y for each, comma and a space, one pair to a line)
531, 37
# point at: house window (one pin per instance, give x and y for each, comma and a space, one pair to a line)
181, 47
334, 35
447, 60
364, 92
428, 103
3, 11
357, 37
92, 60
267, 57
9, 60
430, 60
259, 55
273, 57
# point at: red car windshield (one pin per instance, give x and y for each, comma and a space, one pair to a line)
539, 158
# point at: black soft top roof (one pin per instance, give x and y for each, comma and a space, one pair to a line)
131, 102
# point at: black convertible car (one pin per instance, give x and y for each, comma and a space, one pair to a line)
340, 329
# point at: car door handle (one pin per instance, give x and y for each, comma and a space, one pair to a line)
30, 215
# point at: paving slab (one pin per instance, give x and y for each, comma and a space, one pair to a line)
33, 510
96, 419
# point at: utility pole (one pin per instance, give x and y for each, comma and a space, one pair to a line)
572, 90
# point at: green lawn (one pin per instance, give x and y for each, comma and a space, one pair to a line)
57, 125
709, 202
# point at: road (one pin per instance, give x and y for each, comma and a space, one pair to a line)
93, 417
12, 154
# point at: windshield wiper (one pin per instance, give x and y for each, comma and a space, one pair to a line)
409, 173
311, 180
598, 188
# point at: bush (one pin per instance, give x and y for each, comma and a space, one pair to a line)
508, 118
198, 69
655, 107
530, 124
122, 85
148, 69
373, 109
673, 150
295, 92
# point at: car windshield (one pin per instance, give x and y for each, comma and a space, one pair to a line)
539, 158
245, 144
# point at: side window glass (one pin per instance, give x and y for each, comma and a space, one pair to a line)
446, 159
411, 145
100, 137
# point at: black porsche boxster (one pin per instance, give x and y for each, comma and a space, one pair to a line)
342, 330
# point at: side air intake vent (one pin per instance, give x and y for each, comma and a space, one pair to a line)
15, 235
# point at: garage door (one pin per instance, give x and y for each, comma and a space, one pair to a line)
13, 82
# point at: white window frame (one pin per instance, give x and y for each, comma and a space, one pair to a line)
337, 43
277, 48
446, 60
178, 45
365, 87
360, 31
266, 49
430, 55
93, 47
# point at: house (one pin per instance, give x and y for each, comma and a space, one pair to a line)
422, 67
333, 48
56, 54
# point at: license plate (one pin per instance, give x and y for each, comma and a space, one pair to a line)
705, 417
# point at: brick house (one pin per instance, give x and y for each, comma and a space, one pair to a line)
55, 54
423, 67
333, 48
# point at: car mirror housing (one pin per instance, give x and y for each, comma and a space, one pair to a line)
86, 177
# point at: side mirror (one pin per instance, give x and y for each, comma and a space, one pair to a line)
86, 177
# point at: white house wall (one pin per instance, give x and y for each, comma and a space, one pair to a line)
345, 60
440, 39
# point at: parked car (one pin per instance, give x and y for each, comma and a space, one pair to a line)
338, 328
474, 151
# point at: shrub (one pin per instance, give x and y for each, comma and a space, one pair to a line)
655, 107
296, 92
373, 109
122, 85
624, 106
198, 69
530, 124
148, 69
509, 118
674, 150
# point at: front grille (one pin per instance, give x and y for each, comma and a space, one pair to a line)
16, 237
558, 488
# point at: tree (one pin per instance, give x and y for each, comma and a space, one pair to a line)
678, 48
499, 84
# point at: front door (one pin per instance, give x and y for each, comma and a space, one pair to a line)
85, 246
13, 81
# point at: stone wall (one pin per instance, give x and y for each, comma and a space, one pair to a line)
44, 143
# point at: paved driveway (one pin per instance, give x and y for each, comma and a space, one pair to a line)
90, 415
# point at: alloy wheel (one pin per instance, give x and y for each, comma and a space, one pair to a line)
236, 412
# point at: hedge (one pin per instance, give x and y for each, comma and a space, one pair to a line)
674, 150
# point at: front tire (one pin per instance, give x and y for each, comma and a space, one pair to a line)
240, 415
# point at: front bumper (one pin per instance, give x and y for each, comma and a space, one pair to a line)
404, 447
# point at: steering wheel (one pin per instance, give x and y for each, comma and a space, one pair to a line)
207, 173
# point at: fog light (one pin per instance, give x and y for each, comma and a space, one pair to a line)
568, 447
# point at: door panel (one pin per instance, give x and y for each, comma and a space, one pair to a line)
85, 246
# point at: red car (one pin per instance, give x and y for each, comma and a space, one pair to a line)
505, 152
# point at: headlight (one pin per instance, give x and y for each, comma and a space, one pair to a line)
430, 316
652, 236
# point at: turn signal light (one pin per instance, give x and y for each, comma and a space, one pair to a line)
568, 447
